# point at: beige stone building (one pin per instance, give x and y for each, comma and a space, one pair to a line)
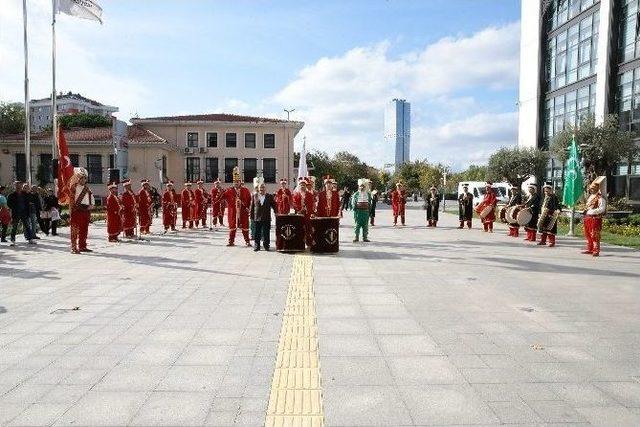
181, 148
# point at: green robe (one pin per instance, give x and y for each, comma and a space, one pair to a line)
361, 216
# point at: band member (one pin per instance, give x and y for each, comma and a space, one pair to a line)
169, 208
398, 203
304, 204
328, 200
283, 198
238, 200
361, 202
129, 209
145, 207
187, 203
432, 205
217, 203
533, 203
346, 200
80, 206
372, 208
548, 221
596, 207
465, 207
114, 213
514, 200
262, 203
201, 203
489, 202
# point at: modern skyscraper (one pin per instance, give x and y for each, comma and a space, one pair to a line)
580, 58
397, 129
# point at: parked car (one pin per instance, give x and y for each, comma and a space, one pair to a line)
478, 189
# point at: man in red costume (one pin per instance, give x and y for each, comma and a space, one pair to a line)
596, 208
398, 202
129, 210
145, 204
217, 203
201, 196
304, 204
283, 198
489, 203
188, 203
169, 208
328, 200
80, 205
114, 213
238, 200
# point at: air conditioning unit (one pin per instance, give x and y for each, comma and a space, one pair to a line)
188, 150
203, 150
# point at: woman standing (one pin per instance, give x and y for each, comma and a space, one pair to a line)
50, 213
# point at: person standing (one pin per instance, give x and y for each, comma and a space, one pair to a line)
596, 207
201, 204
114, 213
129, 210
361, 204
19, 205
5, 215
548, 221
328, 200
304, 204
262, 203
514, 200
372, 208
283, 198
238, 199
346, 200
217, 203
52, 207
145, 207
35, 207
488, 203
80, 206
432, 205
187, 203
169, 208
465, 207
532, 203
157, 200
398, 203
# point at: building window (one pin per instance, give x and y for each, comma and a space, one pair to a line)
75, 160
269, 170
164, 168
629, 45
21, 167
94, 168
211, 169
250, 169
231, 140
45, 172
249, 140
192, 139
212, 139
269, 140
193, 169
568, 109
628, 100
112, 161
229, 164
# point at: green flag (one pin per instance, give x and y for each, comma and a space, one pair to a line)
573, 182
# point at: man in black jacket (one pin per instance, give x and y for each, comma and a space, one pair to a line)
262, 204
19, 205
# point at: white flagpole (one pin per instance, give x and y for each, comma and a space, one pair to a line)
54, 106
27, 124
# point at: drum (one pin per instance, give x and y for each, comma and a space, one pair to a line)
512, 215
503, 214
486, 211
325, 235
290, 233
524, 216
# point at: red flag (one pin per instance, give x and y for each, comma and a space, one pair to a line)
65, 169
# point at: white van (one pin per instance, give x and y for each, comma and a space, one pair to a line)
477, 188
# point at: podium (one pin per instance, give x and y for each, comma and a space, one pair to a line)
325, 235
290, 233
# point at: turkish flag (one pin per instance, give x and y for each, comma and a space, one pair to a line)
65, 170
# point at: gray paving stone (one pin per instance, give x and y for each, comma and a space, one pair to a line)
556, 412
610, 416
174, 408
103, 408
514, 412
408, 345
365, 405
625, 393
350, 345
419, 370
192, 378
127, 377
40, 414
360, 370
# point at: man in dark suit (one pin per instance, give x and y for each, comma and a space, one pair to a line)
262, 204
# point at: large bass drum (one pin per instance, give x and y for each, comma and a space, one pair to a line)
524, 216
486, 211
503, 214
512, 215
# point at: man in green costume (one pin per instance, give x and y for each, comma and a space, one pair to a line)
361, 203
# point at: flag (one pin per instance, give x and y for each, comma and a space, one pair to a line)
573, 181
65, 170
86, 9
302, 167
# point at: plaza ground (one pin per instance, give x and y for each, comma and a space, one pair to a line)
419, 327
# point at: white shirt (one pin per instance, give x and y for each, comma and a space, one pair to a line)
261, 198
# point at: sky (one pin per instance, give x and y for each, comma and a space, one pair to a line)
337, 62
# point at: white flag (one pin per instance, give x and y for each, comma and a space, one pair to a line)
86, 9
302, 166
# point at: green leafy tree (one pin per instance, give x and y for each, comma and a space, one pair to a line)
11, 118
84, 120
516, 165
410, 172
432, 175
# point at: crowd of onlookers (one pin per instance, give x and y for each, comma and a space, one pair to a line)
34, 209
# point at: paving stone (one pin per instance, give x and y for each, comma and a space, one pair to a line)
418, 370
360, 370
514, 412
365, 405
408, 345
40, 414
610, 416
104, 408
174, 408
625, 393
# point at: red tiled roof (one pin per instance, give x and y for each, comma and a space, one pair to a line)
222, 117
136, 133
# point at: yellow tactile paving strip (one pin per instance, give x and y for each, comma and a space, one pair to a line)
296, 389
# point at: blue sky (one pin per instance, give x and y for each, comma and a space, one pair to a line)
336, 62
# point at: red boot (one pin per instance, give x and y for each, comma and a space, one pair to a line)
533, 235
528, 235
552, 240
543, 240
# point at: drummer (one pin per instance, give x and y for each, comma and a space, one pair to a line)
512, 207
487, 208
533, 206
548, 221
304, 204
328, 200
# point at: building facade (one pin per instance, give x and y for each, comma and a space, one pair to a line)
398, 129
68, 103
580, 58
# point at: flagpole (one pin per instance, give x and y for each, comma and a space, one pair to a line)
27, 124
571, 232
54, 106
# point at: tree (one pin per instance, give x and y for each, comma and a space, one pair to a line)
409, 173
602, 146
517, 165
11, 118
432, 175
84, 120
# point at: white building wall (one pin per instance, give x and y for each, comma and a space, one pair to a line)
604, 52
529, 97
